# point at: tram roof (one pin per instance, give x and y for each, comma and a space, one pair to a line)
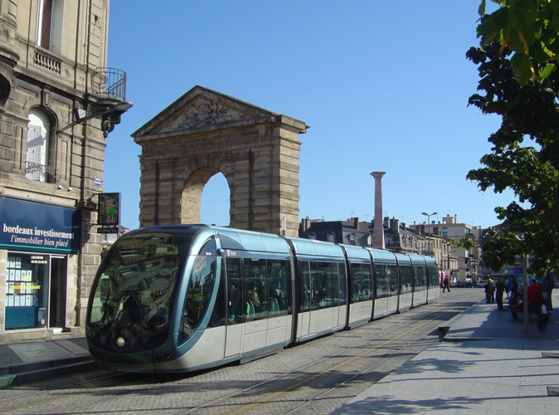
239, 239
312, 247
356, 252
402, 258
417, 259
380, 255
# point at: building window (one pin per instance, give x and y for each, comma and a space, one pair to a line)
36, 159
49, 24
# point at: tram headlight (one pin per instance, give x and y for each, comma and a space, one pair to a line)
120, 341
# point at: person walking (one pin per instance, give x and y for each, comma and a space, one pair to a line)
547, 289
513, 296
446, 284
490, 291
499, 290
535, 302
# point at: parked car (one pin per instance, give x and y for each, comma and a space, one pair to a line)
481, 283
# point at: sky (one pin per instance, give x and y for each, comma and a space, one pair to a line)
383, 85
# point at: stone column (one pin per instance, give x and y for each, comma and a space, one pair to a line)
378, 228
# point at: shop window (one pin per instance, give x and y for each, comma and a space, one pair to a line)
26, 292
49, 24
37, 155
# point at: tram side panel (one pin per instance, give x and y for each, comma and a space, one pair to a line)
386, 283
360, 285
419, 280
406, 281
321, 288
264, 297
434, 287
321, 306
386, 295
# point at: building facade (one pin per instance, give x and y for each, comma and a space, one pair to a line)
459, 263
419, 239
58, 103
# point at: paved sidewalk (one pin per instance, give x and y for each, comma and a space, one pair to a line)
41, 351
486, 364
25, 362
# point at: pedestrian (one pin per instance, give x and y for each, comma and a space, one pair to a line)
547, 288
499, 290
446, 284
513, 296
535, 302
490, 291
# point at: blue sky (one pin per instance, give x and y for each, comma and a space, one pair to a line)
383, 85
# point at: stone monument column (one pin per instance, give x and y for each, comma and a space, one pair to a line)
378, 228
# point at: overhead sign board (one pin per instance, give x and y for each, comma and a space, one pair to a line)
32, 226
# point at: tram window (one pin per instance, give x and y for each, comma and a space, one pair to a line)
305, 292
433, 275
386, 280
342, 280
314, 286
219, 314
406, 279
420, 278
256, 288
279, 279
361, 275
234, 300
324, 288
328, 292
199, 288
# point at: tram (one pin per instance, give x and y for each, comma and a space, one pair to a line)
180, 298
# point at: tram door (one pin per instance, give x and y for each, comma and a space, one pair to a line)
308, 288
234, 333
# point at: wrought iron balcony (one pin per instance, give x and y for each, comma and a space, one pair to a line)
40, 172
109, 83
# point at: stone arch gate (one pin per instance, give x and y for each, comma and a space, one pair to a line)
205, 133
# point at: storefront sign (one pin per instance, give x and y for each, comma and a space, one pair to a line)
38, 227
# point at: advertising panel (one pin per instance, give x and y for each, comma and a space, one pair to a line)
31, 226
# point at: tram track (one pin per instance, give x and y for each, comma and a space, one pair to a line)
351, 362
376, 351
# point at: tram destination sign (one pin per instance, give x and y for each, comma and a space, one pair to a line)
108, 210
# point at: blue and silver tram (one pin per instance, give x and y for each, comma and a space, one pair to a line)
178, 298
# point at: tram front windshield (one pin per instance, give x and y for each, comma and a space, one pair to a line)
133, 291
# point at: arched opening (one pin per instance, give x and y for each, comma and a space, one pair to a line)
206, 198
216, 201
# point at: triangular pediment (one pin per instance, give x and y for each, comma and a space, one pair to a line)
202, 109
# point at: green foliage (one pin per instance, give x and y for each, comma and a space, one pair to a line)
468, 242
525, 152
527, 28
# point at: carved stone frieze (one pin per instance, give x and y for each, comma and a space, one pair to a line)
205, 113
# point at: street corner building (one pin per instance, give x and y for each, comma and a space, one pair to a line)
58, 104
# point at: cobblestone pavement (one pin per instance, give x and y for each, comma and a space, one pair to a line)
315, 377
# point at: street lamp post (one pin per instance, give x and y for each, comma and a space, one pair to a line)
429, 233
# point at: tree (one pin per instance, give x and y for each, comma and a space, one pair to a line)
527, 28
519, 81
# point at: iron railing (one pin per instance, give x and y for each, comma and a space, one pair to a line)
109, 83
40, 172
